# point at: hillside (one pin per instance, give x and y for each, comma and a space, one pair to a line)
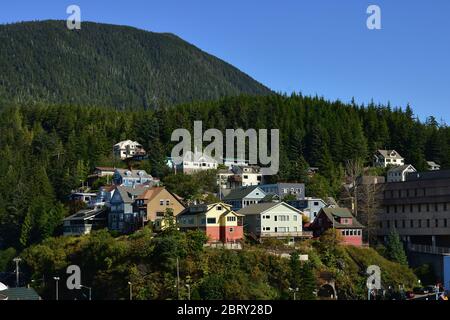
108, 65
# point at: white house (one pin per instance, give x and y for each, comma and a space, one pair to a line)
193, 162
399, 173
272, 219
433, 166
239, 176
384, 158
128, 149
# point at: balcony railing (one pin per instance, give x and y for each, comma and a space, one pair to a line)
305, 234
428, 249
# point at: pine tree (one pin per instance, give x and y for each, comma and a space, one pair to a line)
307, 283
395, 249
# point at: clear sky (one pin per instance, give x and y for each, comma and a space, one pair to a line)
317, 46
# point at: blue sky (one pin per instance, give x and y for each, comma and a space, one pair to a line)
317, 46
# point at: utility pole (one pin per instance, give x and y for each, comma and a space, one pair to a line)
188, 286
17, 260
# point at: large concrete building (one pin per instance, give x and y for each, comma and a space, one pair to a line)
419, 210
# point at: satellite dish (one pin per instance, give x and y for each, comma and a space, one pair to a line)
3, 287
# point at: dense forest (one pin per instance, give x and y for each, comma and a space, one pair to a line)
114, 66
47, 151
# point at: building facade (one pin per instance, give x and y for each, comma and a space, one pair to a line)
398, 173
219, 222
309, 206
128, 149
130, 178
283, 189
385, 158
244, 196
272, 220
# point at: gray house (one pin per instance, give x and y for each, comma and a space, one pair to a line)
121, 216
244, 196
272, 219
84, 221
283, 189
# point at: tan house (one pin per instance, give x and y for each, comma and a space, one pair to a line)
153, 203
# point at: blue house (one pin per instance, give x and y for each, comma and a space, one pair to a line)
244, 196
309, 206
121, 216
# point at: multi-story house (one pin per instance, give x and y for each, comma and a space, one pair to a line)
194, 162
85, 197
122, 217
341, 220
128, 149
130, 178
273, 220
219, 222
244, 196
385, 158
153, 203
283, 189
309, 206
398, 173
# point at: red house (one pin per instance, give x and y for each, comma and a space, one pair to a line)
342, 220
218, 221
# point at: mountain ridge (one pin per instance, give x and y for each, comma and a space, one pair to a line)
111, 65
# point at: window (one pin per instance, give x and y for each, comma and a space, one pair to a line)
436, 223
275, 218
231, 219
316, 203
245, 176
231, 229
428, 223
419, 207
219, 208
388, 209
445, 223
411, 223
403, 224
445, 206
167, 202
436, 207
266, 229
161, 202
295, 217
211, 220
420, 223
428, 207
403, 208
160, 214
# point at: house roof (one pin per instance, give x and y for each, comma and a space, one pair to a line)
151, 193
127, 193
105, 168
432, 164
242, 192
401, 168
20, 294
123, 143
334, 213
85, 214
258, 208
387, 154
134, 173
204, 208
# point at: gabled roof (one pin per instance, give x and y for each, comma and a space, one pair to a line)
123, 143
338, 212
258, 208
388, 154
402, 168
204, 208
153, 192
133, 173
105, 168
240, 193
127, 193
433, 164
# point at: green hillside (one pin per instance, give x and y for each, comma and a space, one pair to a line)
108, 65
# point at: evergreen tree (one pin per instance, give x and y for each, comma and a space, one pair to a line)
395, 249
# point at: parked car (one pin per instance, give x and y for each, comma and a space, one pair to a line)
419, 290
430, 289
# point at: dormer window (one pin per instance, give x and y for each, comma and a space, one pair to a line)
128, 173
219, 208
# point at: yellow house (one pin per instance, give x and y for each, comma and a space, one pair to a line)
218, 221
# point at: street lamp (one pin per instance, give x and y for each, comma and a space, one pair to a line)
56, 279
131, 290
90, 291
295, 292
17, 260
188, 286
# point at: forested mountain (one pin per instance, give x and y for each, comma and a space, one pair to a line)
108, 65
46, 151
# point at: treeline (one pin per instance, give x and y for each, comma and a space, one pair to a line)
47, 151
